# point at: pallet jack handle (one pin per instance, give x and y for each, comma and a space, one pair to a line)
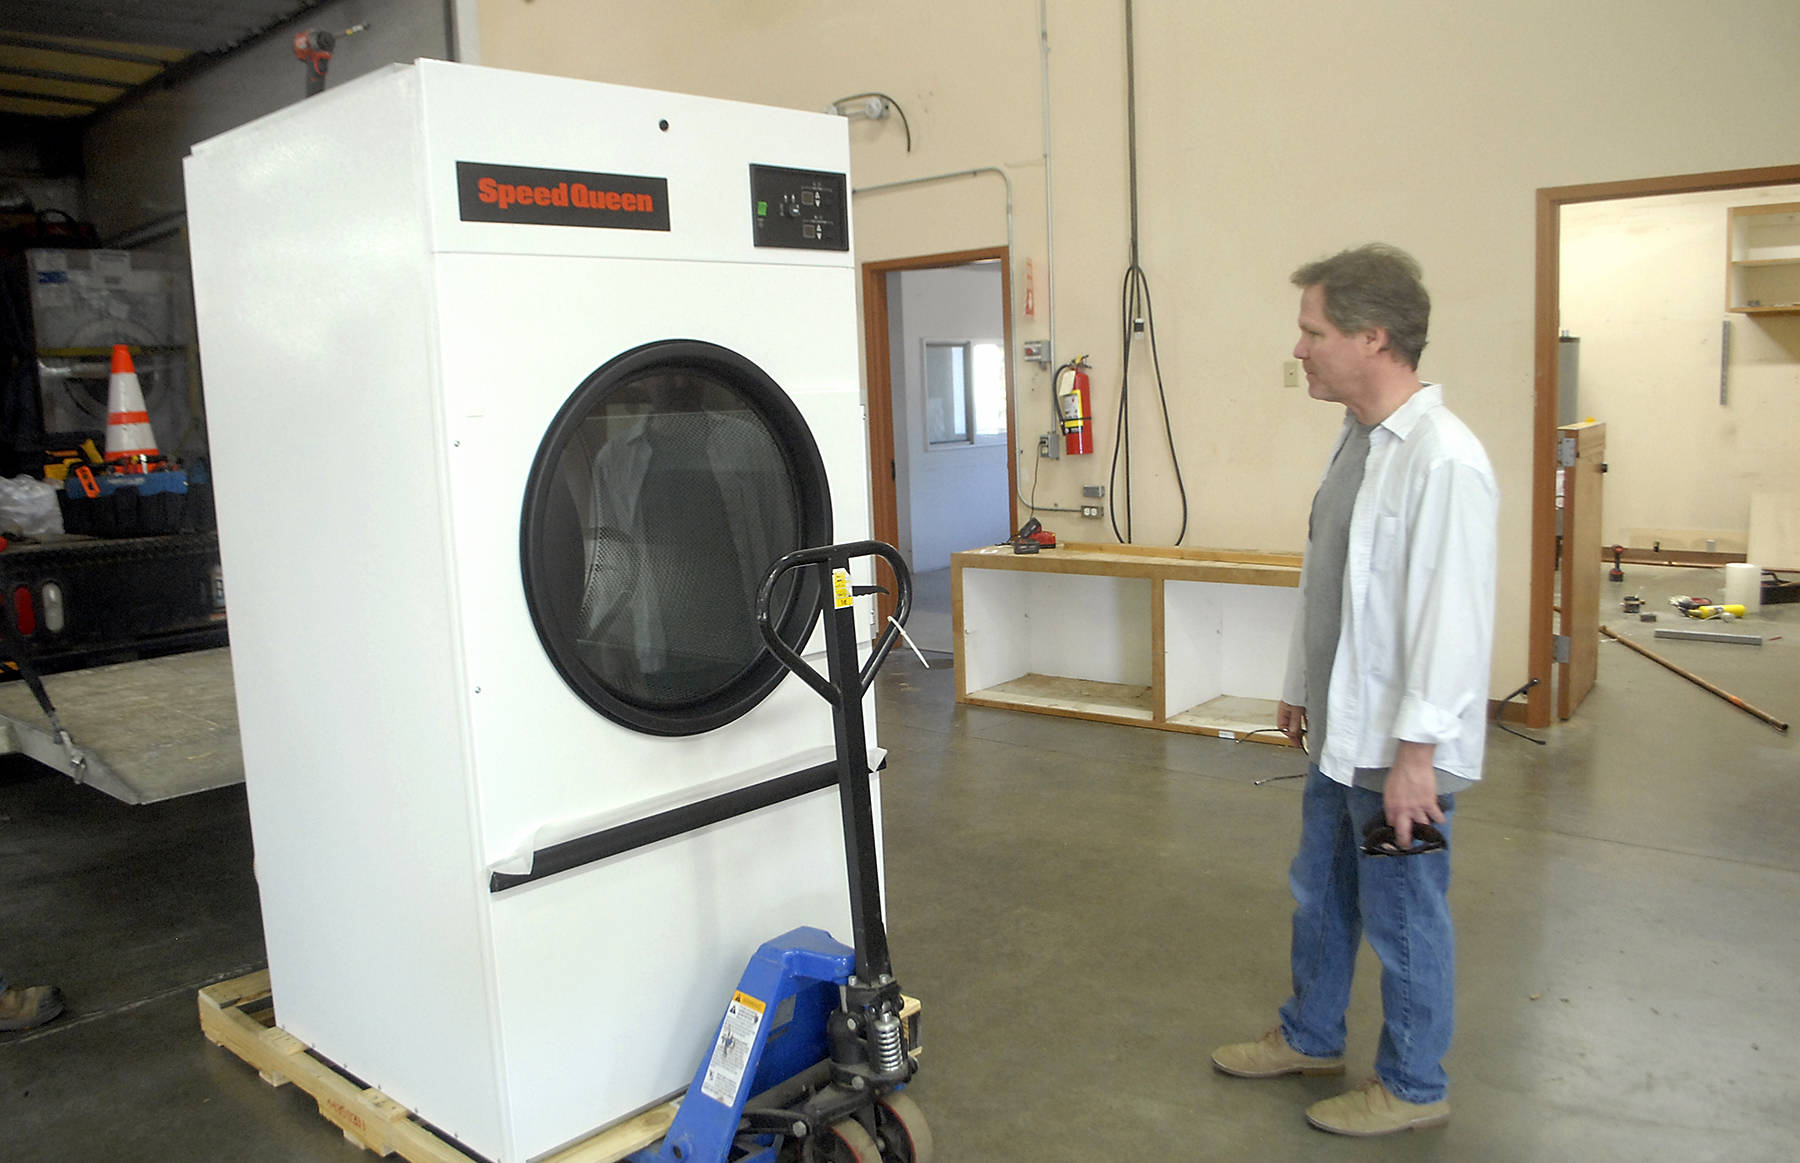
849, 1100
837, 559
844, 690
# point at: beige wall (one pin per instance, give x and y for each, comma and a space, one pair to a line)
1643, 286
1268, 135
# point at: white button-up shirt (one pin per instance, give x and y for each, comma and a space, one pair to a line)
1418, 615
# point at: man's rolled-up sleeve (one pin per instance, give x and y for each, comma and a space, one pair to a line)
1449, 602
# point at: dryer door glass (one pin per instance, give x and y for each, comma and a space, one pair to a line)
669, 483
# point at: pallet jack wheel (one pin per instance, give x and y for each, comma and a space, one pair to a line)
904, 1133
849, 1143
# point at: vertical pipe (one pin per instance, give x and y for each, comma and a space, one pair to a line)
1131, 123
1049, 191
1724, 362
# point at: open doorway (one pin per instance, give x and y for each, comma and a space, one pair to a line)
1700, 412
938, 334
1551, 202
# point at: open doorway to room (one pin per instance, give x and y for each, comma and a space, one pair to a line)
1639, 224
938, 335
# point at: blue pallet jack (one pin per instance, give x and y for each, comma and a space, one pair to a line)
813, 1031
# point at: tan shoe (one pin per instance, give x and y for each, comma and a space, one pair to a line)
26, 1007
1270, 1057
1372, 1109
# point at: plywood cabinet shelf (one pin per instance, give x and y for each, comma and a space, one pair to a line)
1072, 697
1190, 640
1762, 268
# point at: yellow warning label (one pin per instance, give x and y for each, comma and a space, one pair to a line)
840, 588
731, 1051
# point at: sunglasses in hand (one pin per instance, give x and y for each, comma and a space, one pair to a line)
1379, 840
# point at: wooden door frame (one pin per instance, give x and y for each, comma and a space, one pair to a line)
1550, 201
883, 498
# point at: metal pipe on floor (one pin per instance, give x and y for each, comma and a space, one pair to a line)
1740, 704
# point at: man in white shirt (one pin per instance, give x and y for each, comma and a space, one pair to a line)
1387, 686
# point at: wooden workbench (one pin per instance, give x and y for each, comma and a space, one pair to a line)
1188, 640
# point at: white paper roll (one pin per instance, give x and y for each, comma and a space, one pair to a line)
1743, 586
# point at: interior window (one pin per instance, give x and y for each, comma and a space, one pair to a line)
965, 391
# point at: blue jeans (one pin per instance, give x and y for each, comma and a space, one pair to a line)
1400, 901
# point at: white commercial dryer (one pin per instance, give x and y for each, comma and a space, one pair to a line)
516, 386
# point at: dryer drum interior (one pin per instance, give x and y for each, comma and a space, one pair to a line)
669, 482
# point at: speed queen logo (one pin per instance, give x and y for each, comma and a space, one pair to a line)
524, 194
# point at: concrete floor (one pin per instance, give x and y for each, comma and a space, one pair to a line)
930, 626
1086, 911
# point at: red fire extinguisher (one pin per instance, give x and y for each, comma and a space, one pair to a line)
1073, 404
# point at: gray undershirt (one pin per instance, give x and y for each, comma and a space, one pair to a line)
1329, 533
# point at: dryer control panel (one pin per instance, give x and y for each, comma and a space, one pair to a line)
799, 209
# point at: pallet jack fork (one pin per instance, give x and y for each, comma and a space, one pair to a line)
813, 1029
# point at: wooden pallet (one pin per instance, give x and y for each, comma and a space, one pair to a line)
239, 1015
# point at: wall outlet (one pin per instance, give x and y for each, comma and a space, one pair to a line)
1090, 511
1290, 373
1050, 446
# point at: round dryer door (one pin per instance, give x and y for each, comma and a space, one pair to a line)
667, 486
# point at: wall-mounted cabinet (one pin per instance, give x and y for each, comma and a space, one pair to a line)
1188, 640
1762, 270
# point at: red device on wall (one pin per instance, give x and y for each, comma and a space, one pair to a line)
1074, 405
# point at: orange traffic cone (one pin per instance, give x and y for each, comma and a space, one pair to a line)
130, 444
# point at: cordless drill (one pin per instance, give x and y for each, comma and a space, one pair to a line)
313, 49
